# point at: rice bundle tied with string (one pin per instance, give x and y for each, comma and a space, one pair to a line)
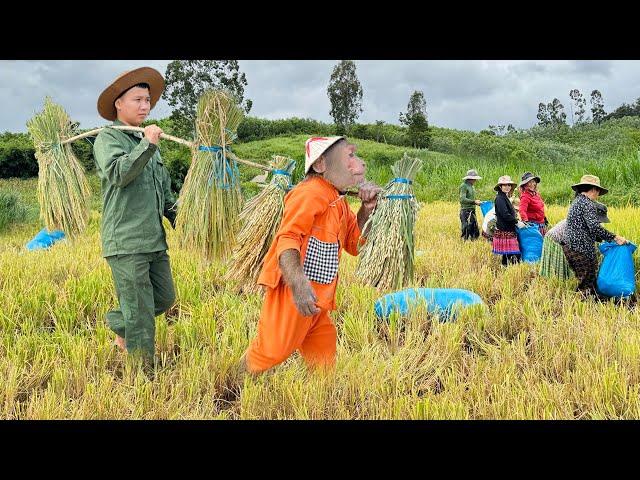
211, 199
63, 190
386, 260
260, 219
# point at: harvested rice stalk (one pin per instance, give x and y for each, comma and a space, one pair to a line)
386, 258
260, 219
210, 199
63, 190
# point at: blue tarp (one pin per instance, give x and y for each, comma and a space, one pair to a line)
485, 207
44, 239
442, 301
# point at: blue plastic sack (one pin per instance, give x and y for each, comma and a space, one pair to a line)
530, 240
44, 239
485, 207
617, 276
444, 302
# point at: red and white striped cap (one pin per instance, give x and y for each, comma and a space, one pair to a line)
314, 147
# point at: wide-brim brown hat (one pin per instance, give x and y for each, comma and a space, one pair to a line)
125, 81
504, 180
590, 180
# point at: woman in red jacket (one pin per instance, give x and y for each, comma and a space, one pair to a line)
531, 203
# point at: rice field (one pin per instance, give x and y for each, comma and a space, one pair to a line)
536, 352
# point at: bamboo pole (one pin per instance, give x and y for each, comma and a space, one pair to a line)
165, 136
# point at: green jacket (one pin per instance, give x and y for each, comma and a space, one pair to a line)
136, 193
467, 197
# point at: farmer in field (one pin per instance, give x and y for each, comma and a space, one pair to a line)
300, 270
582, 232
553, 263
531, 203
136, 195
468, 202
505, 240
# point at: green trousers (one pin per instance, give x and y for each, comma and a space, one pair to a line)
145, 290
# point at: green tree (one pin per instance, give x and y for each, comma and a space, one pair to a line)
625, 110
345, 95
186, 80
556, 113
380, 130
597, 107
543, 115
579, 102
497, 129
416, 120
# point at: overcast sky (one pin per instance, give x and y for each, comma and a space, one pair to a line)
460, 94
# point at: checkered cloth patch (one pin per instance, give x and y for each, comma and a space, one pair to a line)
321, 261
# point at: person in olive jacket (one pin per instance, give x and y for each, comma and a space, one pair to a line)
468, 202
136, 196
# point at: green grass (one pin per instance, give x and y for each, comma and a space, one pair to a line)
12, 209
442, 173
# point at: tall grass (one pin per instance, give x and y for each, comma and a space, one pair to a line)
536, 352
11, 210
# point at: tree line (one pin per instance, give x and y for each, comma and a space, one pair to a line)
186, 80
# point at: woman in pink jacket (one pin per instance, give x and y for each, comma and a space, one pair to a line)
531, 203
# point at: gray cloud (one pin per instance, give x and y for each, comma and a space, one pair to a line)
467, 95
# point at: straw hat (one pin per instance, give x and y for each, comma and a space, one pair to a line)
472, 175
527, 177
504, 180
590, 180
126, 80
316, 146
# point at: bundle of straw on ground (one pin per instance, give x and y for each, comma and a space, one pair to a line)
386, 260
260, 219
210, 199
63, 190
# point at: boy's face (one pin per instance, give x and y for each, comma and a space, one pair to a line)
134, 106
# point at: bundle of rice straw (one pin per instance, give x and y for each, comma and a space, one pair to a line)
63, 190
386, 258
260, 219
210, 199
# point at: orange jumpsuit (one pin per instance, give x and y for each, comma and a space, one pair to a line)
319, 227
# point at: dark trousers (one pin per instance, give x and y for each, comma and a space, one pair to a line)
469, 224
586, 269
145, 290
511, 258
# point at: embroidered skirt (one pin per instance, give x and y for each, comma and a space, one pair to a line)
505, 243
